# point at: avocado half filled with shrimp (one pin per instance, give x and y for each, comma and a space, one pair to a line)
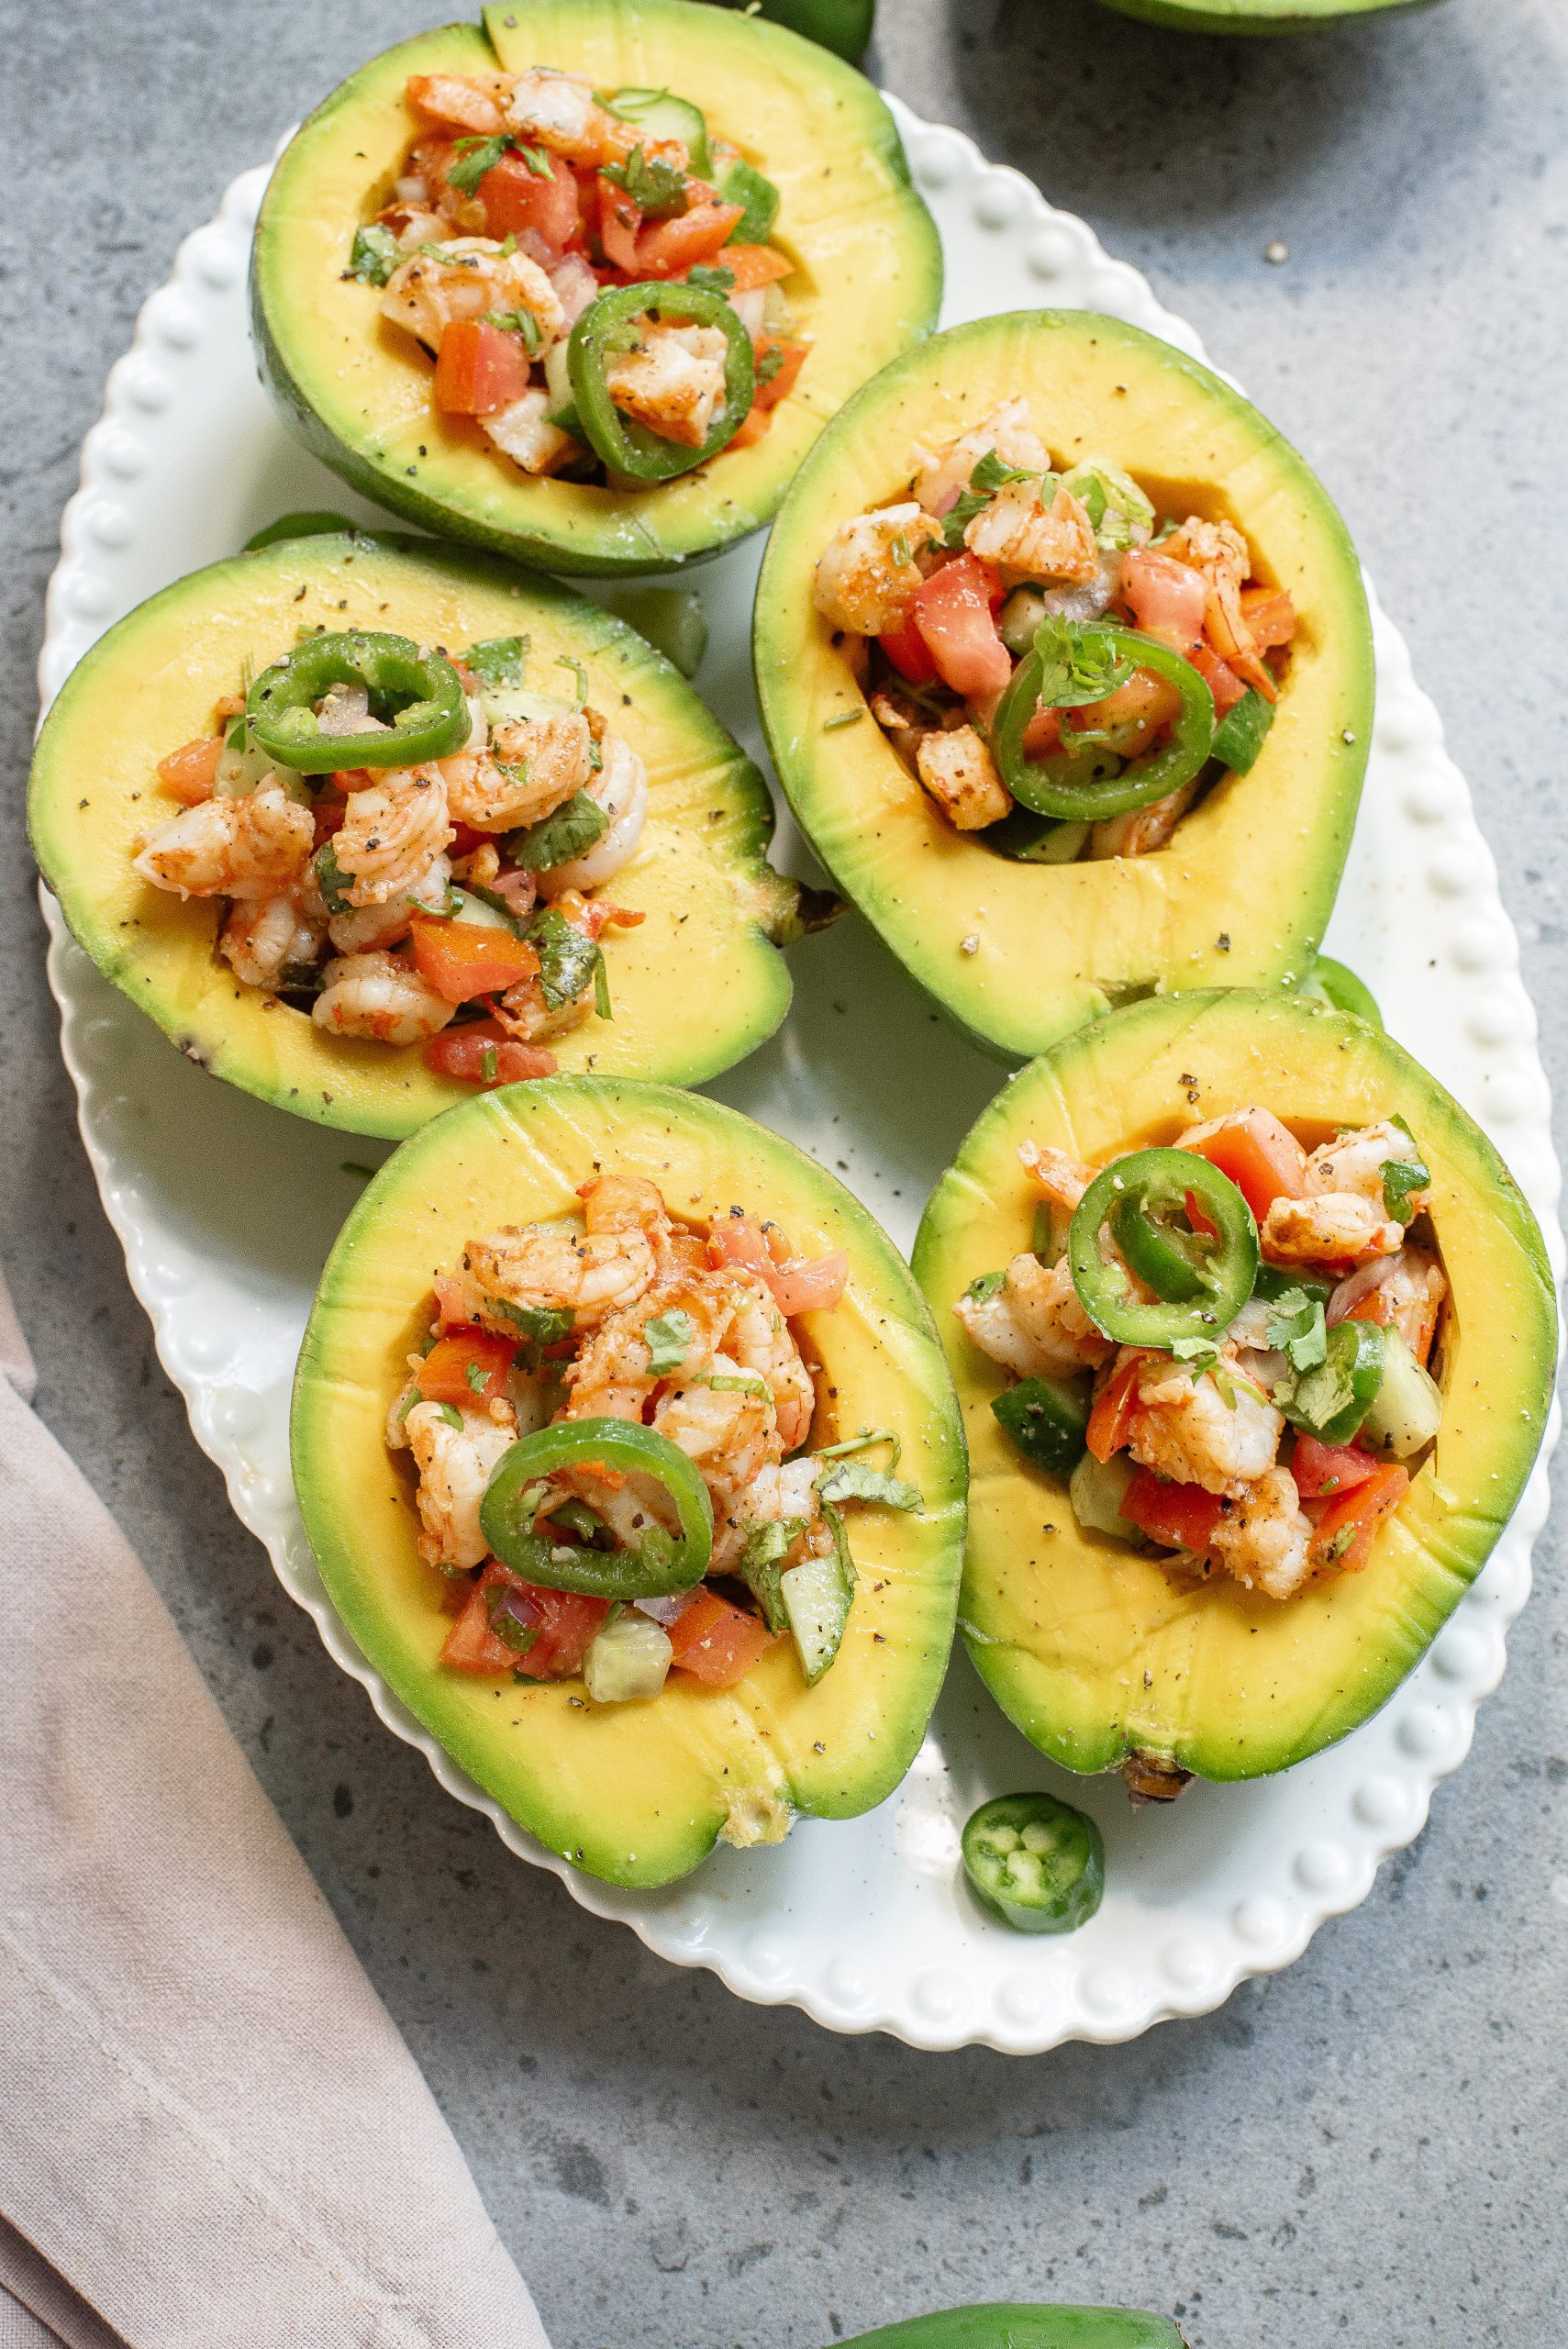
443, 259
632, 1462
1065, 666
1216, 1560
681, 933
1262, 16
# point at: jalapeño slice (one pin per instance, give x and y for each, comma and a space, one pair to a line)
609, 327
1201, 1278
1072, 783
416, 697
1035, 1862
659, 1567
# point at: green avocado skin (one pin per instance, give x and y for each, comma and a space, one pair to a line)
1260, 17
1018, 2324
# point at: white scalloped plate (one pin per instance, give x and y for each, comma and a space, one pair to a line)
226, 1210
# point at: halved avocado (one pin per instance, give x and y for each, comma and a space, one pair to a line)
1258, 15
697, 987
1019, 955
1093, 1650
868, 278
634, 1793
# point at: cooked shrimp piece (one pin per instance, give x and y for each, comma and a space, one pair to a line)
392, 829
612, 1376
265, 937
1355, 1162
469, 277
728, 1432
532, 767
470, 102
758, 1338
625, 1203
251, 847
672, 383
455, 1465
560, 112
1219, 551
584, 1274
620, 791
364, 927
377, 995
1008, 429
523, 431
778, 1491
1336, 1227
1031, 540
958, 771
867, 576
1034, 1324
1263, 1538
1185, 1429
1059, 1178
1141, 831
1409, 1289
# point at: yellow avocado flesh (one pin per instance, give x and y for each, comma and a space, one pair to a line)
867, 280
1093, 1650
693, 989
1020, 954
634, 1793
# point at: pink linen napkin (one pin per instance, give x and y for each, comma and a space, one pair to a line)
211, 2134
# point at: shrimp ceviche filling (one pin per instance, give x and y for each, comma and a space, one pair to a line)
411, 846
610, 1433
592, 272
1226, 1342
1063, 669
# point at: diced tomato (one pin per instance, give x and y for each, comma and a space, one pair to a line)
754, 426
953, 612
451, 1301
463, 959
808, 1283
1270, 615
619, 222
443, 1375
568, 1627
1221, 680
738, 1239
669, 248
351, 779
189, 772
1262, 1157
447, 99
1042, 734
910, 654
1377, 1305
753, 265
716, 1642
1347, 1527
471, 1645
1145, 699
479, 368
1182, 1516
463, 1054
1166, 599
464, 839
329, 814
1322, 1469
1110, 1421
792, 358
1199, 1218
516, 198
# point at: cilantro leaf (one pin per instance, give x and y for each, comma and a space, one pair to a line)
860, 1442
497, 660
569, 830
518, 322
658, 190
768, 1543
332, 880
565, 660
568, 960
668, 1337
476, 1376
546, 1325
452, 1415
474, 157
1198, 1353
373, 255
984, 1287
772, 358
709, 280
1401, 1176
856, 1480
987, 478
1297, 1328
1078, 665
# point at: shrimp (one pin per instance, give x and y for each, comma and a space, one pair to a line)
1057, 1178
1219, 551
620, 791
365, 928
560, 112
1034, 1324
1141, 831
1410, 1287
867, 576
779, 1491
1333, 1227
377, 995
469, 277
1263, 1537
1183, 1427
958, 771
391, 832
252, 847
613, 1377
470, 102
532, 1269
1031, 540
523, 431
729, 1433
1355, 1161
455, 1465
626, 1203
672, 382
758, 1338
532, 767
1009, 430
265, 937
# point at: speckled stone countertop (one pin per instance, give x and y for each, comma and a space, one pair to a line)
1360, 2152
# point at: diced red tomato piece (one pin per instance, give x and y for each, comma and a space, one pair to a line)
479, 368
447, 99
471, 1644
1042, 734
1347, 1527
1377, 1305
189, 772
1110, 1421
1221, 680
910, 654
463, 959
716, 1642
669, 248
619, 222
1262, 1157
753, 265
1270, 615
464, 1054
738, 1239
451, 1301
1321, 1470
349, 780
953, 612
519, 890
792, 358
1166, 599
568, 1626
516, 198
754, 426
1145, 698
808, 1283
1182, 1516
444, 1373
330, 814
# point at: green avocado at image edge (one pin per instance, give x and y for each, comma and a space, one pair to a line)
1015, 2324
357, 393
1260, 16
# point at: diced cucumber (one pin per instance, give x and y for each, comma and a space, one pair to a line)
742, 183
557, 376
1242, 733
1096, 1489
1029, 839
663, 116
1021, 616
514, 705
816, 1601
1122, 505
466, 907
1408, 1408
1047, 1420
243, 767
629, 1659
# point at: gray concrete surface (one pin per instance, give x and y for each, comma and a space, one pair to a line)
1359, 2152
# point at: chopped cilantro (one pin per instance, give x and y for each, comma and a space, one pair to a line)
1401, 1176
489, 1064
987, 478
1077, 664
497, 660
373, 255
477, 156
452, 1415
856, 1480
518, 322
570, 830
1296, 1327
477, 1377
569, 963
546, 1325
768, 1543
771, 360
565, 660
658, 190
981, 1290
860, 1442
708, 280
668, 1337
332, 881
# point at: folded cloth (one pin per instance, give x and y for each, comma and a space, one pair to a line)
211, 2134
